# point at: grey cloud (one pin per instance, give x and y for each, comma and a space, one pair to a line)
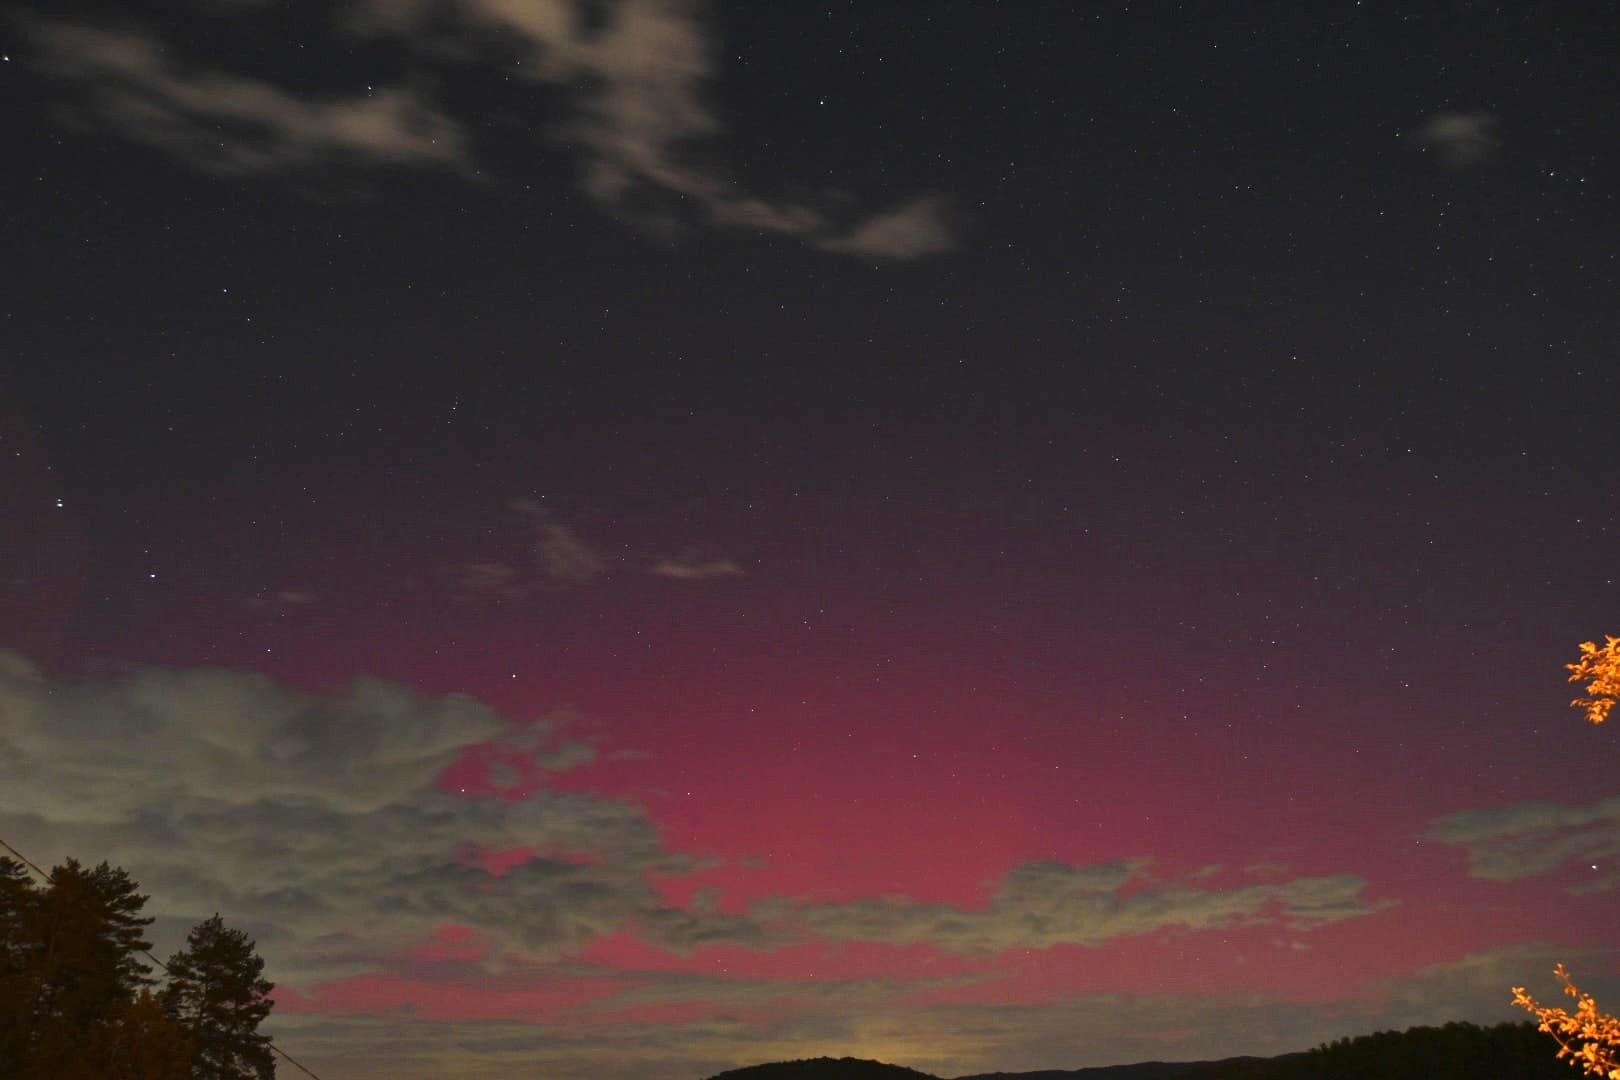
559, 559
563, 559
689, 566
1529, 839
639, 76
493, 579
639, 73
568, 754
910, 231
1042, 904
279, 600
99, 752
316, 820
1460, 138
1476, 985
229, 123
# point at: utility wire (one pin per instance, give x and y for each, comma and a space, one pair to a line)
32, 865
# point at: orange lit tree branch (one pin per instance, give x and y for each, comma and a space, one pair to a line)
1600, 665
1586, 1037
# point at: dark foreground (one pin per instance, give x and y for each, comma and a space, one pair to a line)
1457, 1051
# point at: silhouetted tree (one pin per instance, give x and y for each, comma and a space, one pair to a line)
20, 943
218, 994
141, 1043
72, 961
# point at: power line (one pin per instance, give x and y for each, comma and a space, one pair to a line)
294, 1062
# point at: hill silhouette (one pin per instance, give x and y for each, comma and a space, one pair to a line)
1457, 1051
825, 1068
1142, 1070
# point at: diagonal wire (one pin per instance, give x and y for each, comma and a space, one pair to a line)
32, 865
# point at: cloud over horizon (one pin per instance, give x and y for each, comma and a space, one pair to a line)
311, 815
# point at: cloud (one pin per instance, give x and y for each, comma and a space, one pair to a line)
1042, 904
279, 600
559, 559
493, 579
568, 754
316, 820
562, 558
232, 124
910, 231
689, 566
1460, 138
1529, 839
639, 72
637, 79
1473, 984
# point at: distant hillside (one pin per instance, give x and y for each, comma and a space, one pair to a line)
1144, 1070
824, 1069
1456, 1051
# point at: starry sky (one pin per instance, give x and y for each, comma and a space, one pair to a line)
626, 539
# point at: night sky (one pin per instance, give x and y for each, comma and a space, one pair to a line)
626, 539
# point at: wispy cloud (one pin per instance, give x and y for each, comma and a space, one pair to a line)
690, 566
558, 559
317, 821
639, 78
1042, 904
562, 558
279, 600
1460, 138
910, 231
229, 123
1529, 839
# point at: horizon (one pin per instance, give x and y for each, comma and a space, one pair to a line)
631, 539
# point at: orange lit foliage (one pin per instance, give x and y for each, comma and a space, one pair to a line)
1602, 667
1586, 1037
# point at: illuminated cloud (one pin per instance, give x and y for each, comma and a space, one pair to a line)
916, 229
559, 559
562, 559
637, 75
689, 566
229, 123
279, 600
1460, 138
316, 819
1529, 839
1042, 904
489, 579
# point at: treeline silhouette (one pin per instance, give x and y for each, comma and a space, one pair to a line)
77, 1002
818, 1068
1456, 1051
